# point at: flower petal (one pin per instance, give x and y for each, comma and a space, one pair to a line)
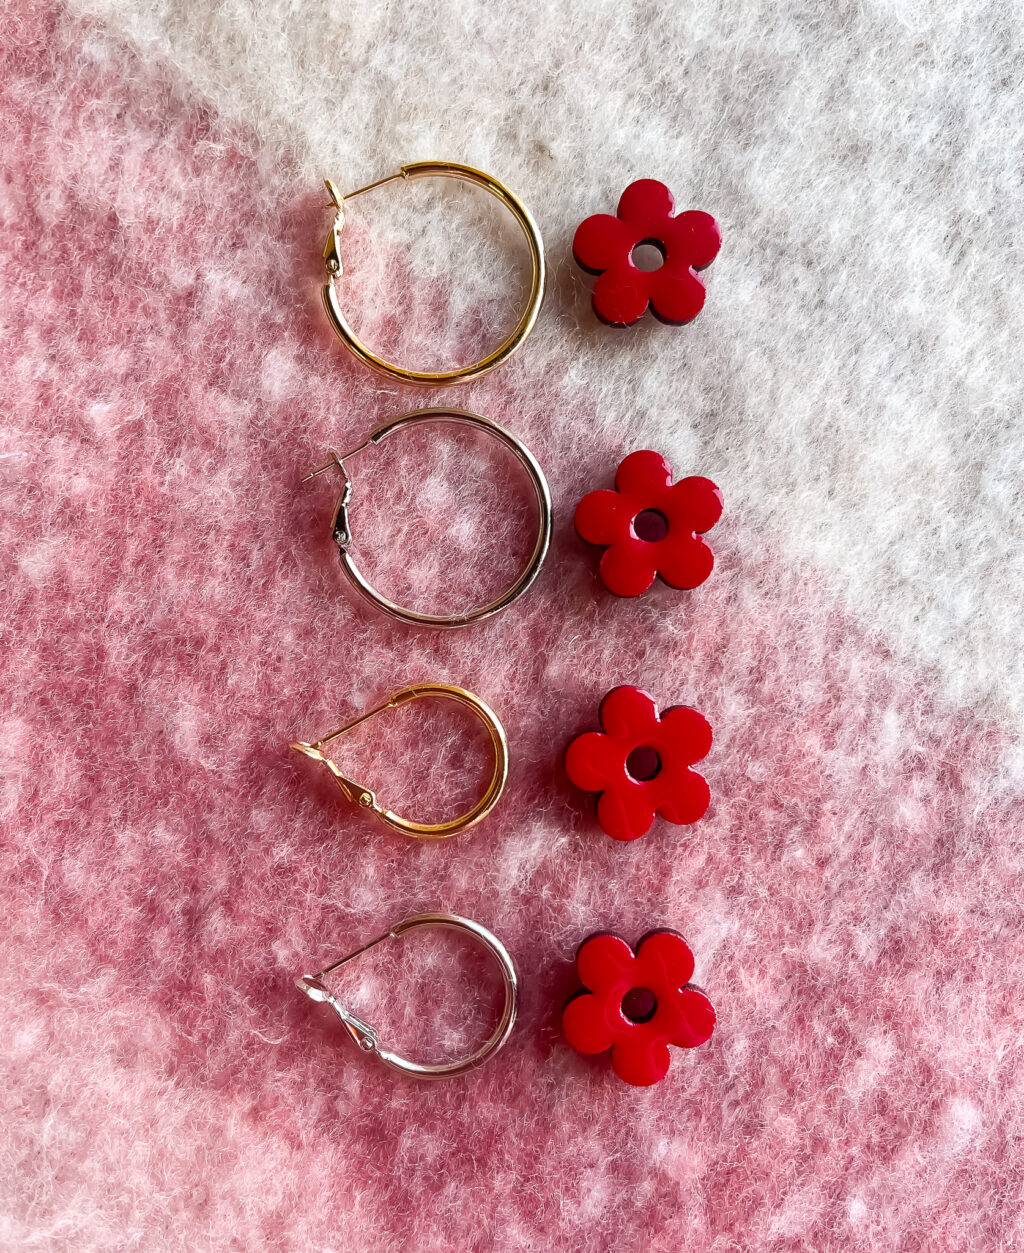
586, 1024
683, 561
625, 812
643, 477
627, 568
690, 734
629, 713
602, 517
696, 1019
665, 961
647, 205
590, 761
693, 238
676, 297
680, 795
695, 503
603, 961
622, 294
600, 242
641, 1060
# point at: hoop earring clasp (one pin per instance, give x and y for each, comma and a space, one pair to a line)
367, 1037
342, 532
359, 794
333, 265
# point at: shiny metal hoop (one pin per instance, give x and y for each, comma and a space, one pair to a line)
367, 1038
341, 531
365, 798
332, 262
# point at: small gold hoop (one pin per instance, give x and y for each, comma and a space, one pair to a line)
342, 533
365, 798
367, 1038
332, 263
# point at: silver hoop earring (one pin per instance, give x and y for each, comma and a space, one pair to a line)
367, 1037
342, 535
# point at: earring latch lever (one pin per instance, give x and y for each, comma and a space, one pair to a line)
341, 530
358, 793
361, 1032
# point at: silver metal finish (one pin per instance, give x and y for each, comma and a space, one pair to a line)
367, 1037
342, 531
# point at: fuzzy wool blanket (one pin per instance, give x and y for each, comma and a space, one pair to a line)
173, 615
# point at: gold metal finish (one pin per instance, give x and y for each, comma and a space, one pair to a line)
342, 533
367, 1038
364, 797
332, 263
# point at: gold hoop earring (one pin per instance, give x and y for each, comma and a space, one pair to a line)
332, 262
342, 534
365, 798
367, 1038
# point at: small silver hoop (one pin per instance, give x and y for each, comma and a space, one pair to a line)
342, 534
367, 1038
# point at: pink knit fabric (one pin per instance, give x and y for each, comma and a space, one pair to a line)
173, 616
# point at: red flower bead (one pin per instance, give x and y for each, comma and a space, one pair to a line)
597, 1020
690, 507
598, 761
604, 245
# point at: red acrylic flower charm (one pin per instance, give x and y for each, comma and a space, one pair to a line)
643, 484
631, 731
614, 1012
689, 242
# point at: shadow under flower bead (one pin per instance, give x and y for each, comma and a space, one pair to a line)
601, 1017
608, 517
600, 761
604, 245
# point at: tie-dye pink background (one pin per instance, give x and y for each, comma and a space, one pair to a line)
173, 616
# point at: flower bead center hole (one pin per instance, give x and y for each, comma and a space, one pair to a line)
639, 1004
648, 255
650, 525
643, 763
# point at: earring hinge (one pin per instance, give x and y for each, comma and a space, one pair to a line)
361, 1032
332, 249
312, 985
342, 533
357, 793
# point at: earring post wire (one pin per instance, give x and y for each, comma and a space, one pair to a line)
327, 970
370, 713
390, 178
336, 461
338, 200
